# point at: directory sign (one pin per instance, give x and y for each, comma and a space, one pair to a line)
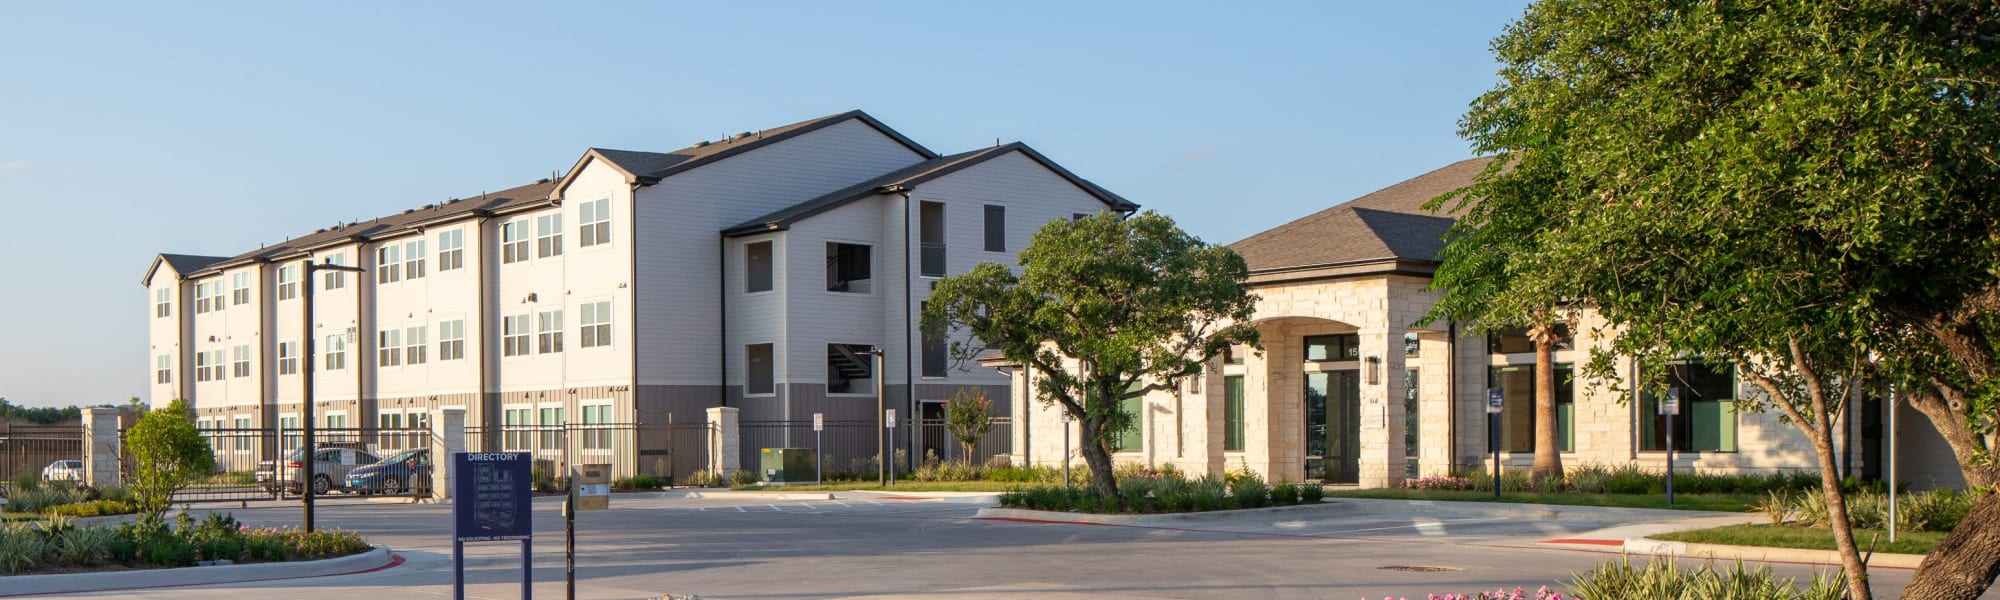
1672, 404
1494, 400
819, 421
490, 496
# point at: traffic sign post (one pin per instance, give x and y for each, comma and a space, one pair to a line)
1495, 400
891, 420
489, 504
1670, 408
819, 425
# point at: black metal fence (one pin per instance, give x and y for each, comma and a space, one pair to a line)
673, 452
34, 450
267, 463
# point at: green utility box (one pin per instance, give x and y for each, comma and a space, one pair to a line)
787, 465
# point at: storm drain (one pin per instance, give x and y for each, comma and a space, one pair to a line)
1418, 568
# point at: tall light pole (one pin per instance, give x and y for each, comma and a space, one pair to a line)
309, 451
882, 465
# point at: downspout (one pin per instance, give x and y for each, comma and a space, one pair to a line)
632, 259
489, 407
722, 323
1451, 395
909, 293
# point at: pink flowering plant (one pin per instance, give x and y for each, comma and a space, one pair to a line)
1439, 483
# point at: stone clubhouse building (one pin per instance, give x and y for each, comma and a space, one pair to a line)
1348, 391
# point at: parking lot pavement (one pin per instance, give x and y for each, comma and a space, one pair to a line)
750, 548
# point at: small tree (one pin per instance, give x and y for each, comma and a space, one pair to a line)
1105, 309
968, 418
169, 455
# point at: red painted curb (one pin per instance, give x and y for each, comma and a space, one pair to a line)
1620, 543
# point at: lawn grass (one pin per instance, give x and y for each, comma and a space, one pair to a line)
1714, 502
901, 486
1809, 538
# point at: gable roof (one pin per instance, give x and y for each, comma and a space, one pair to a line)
1389, 224
181, 264
648, 168
912, 176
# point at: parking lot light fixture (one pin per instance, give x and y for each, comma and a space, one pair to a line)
306, 396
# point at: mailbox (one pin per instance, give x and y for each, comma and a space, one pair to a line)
593, 487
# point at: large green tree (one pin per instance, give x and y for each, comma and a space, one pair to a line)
1794, 187
1105, 309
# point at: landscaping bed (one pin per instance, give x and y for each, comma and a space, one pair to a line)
1708, 502
1806, 538
1141, 492
1800, 520
61, 547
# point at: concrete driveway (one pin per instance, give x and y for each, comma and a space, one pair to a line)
737, 546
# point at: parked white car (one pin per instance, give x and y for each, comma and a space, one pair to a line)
63, 470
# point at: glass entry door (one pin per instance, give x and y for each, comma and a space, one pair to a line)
1333, 426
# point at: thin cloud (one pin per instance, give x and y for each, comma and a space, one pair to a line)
13, 166
1202, 153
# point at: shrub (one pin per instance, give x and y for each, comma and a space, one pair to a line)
968, 416
1440, 483
170, 455
1662, 579
1250, 492
21, 547
1024, 474
26, 481
639, 482
947, 471
83, 546
742, 477
1311, 493
1285, 493
1589, 479
94, 508
40, 499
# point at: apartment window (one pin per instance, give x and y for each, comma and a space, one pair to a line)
288, 358
595, 435
1412, 346
1707, 419
288, 282
514, 242
239, 289
163, 305
414, 345
760, 370
389, 348
389, 423
551, 427
549, 331
242, 434
287, 424
930, 221
1346, 346
1515, 340
1234, 355
202, 370
757, 267
1133, 436
200, 298
548, 242
514, 336
336, 279
1517, 412
336, 352
596, 324
163, 369
239, 365
413, 259
451, 339
336, 421
386, 259
847, 268
451, 250
1078, 216
1232, 413
595, 223
849, 369
516, 427
996, 228
934, 358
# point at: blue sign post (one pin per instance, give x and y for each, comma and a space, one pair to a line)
490, 504
1495, 400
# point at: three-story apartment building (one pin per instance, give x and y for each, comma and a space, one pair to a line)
640, 287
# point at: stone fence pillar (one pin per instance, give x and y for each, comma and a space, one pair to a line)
447, 438
101, 447
724, 448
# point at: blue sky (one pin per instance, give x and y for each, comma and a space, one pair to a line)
209, 128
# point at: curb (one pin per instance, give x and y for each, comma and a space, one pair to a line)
104, 581
1762, 554
1543, 512
1043, 516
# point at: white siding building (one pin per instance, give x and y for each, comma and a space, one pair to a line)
640, 287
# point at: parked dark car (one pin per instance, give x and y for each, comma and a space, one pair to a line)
405, 471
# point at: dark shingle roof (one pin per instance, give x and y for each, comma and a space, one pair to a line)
651, 167
482, 204
1387, 224
182, 264
911, 176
